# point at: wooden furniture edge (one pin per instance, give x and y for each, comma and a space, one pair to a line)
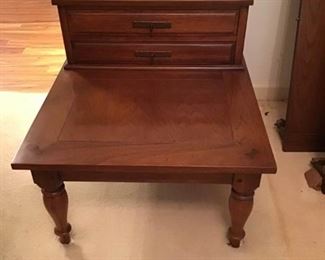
146, 3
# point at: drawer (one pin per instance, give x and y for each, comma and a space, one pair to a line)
152, 24
153, 54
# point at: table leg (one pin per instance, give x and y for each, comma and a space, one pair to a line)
241, 205
55, 199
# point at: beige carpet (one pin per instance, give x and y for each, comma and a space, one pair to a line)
156, 221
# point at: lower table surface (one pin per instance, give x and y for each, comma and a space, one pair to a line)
143, 124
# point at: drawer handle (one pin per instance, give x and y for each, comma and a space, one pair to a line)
151, 25
152, 55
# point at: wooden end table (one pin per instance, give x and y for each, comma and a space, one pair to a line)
191, 126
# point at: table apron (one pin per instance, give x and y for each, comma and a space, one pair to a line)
146, 177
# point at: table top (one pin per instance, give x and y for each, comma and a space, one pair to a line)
105, 120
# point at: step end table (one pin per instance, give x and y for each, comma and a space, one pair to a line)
117, 125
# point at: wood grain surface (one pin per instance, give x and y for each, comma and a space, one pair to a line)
31, 47
305, 126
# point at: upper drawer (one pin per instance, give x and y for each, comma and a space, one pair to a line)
223, 22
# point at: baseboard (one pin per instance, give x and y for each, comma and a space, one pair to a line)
271, 93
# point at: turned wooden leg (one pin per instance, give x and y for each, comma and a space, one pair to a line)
56, 203
241, 205
55, 199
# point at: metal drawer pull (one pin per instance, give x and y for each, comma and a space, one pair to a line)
152, 25
152, 55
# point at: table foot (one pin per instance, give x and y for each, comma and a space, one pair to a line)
64, 236
234, 241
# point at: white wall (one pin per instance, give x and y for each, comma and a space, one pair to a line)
269, 46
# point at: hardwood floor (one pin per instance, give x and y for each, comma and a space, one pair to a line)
31, 46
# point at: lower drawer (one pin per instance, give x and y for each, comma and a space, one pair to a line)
153, 54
